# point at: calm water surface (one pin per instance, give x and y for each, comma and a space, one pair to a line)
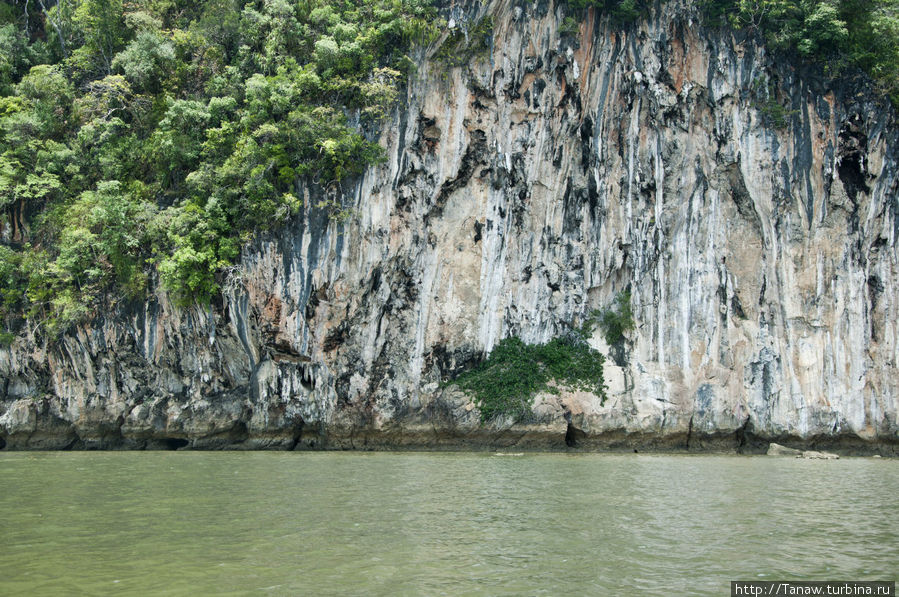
220, 523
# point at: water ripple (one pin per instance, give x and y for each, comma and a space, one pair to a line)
437, 524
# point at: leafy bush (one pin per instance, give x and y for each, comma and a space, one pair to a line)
616, 320
622, 12
765, 100
569, 26
465, 42
514, 372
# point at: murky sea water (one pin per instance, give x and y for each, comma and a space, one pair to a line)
225, 523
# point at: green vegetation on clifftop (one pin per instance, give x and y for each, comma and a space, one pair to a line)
155, 137
840, 34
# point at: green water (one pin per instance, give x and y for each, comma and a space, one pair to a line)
225, 523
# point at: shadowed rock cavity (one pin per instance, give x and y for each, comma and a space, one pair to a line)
174, 443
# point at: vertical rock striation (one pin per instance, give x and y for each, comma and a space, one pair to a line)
748, 205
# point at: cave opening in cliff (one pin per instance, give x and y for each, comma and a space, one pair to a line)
175, 443
573, 435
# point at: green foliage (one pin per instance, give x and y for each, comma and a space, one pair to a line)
836, 33
765, 100
146, 60
13, 282
874, 41
466, 42
569, 26
47, 99
514, 372
614, 321
99, 32
621, 12
153, 138
15, 56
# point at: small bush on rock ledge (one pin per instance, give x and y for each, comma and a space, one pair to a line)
615, 321
514, 372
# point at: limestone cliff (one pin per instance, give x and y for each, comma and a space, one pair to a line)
748, 205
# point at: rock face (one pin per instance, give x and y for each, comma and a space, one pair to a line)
778, 450
748, 206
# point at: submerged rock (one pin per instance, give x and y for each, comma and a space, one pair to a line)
813, 455
778, 450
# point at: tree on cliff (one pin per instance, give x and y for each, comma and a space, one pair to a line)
152, 138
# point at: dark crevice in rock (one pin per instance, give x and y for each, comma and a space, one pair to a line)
311, 437
316, 297
619, 352
307, 379
573, 200
173, 443
239, 433
297, 434
335, 337
740, 435
747, 441
587, 151
852, 167
475, 154
852, 176
689, 433
875, 289
741, 197
450, 363
573, 435
375, 280
736, 307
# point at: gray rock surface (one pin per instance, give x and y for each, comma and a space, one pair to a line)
522, 191
778, 450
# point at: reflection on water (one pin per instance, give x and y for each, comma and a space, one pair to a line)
225, 523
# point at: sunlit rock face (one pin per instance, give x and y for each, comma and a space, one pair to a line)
748, 205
